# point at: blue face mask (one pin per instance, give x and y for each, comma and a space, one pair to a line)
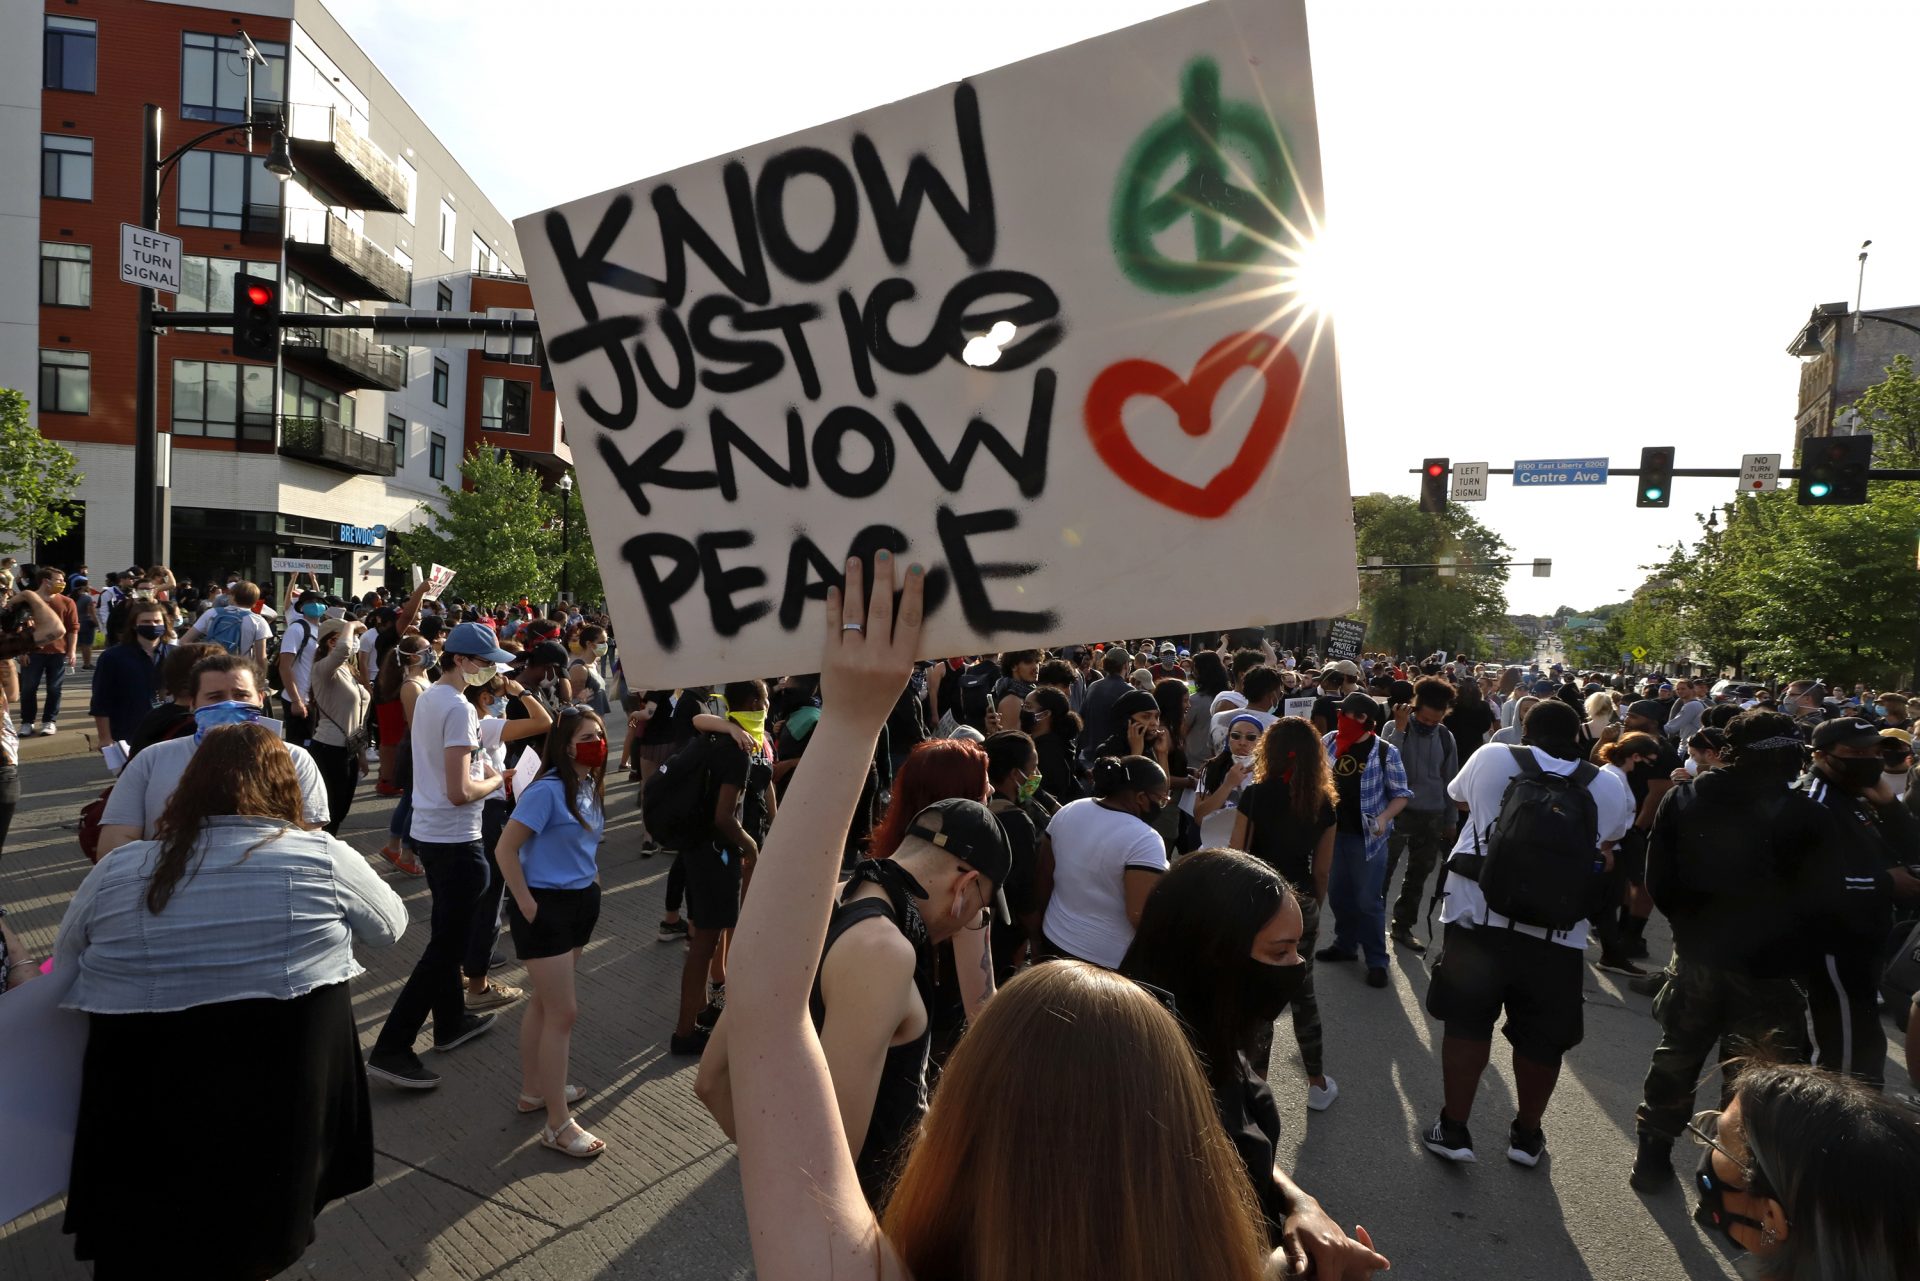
316, 609
215, 715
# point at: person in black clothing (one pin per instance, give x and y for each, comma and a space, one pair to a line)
1137, 730
127, 682
1873, 842
1049, 720
1013, 775
175, 716
1022, 668
872, 991
1471, 720
907, 726
1649, 779
1220, 935
1097, 710
1728, 857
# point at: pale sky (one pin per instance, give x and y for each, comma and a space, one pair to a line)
1560, 231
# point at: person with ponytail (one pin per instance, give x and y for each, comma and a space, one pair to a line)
1285, 819
549, 857
1100, 859
1049, 719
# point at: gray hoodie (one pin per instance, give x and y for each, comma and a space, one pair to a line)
1431, 760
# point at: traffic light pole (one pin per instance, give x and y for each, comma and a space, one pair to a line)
1786, 473
146, 431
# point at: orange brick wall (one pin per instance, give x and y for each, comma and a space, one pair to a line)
543, 414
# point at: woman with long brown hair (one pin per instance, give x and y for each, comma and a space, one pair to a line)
220, 951
1075, 1088
1286, 821
402, 679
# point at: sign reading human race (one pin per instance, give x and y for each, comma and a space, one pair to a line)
1040, 331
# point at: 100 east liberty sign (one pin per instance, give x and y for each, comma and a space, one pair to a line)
759, 359
1560, 471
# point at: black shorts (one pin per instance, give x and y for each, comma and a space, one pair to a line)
713, 886
1482, 970
562, 921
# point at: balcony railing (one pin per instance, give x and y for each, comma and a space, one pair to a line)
349, 357
353, 266
323, 441
329, 149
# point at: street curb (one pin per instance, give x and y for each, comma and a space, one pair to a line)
65, 745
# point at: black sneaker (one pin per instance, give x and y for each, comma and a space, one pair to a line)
709, 1016
692, 1045
1335, 954
403, 1070
1653, 1165
1619, 965
673, 931
1523, 1147
1635, 948
471, 1026
1450, 1140
1377, 976
1405, 937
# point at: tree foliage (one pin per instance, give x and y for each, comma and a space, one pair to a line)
38, 478
495, 532
1418, 609
583, 570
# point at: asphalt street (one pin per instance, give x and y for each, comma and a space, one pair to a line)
463, 1192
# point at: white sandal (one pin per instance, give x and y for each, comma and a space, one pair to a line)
530, 1103
582, 1146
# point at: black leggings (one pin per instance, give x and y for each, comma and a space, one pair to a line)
676, 885
340, 771
9, 800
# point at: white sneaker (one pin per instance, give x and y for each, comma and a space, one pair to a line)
49, 728
29, 729
1321, 1099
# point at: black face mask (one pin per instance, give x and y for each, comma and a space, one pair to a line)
1028, 719
1713, 1212
1855, 774
1270, 988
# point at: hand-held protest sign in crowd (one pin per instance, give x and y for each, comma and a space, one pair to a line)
1344, 638
1035, 330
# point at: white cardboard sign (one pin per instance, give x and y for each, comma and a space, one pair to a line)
437, 579
294, 565
1036, 331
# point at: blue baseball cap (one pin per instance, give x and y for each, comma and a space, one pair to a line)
471, 640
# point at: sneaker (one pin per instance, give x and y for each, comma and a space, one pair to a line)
1524, 1147
471, 1026
1450, 1140
496, 959
1636, 948
709, 1016
389, 789
1405, 937
673, 931
1652, 1165
1377, 976
1648, 984
29, 729
495, 996
403, 861
1335, 954
1619, 965
403, 1070
1320, 1099
690, 1046
49, 729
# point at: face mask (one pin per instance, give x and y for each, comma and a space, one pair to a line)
1879, 709
315, 610
1693, 766
1855, 775
1028, 719
1030, 789
152, 631
1244, 762
600, 650
590, 753
755, 723
482, 675
335, 611
1713, 1198
214, 715
1271, 987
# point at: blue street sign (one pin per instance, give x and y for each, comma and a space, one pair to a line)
1560, 471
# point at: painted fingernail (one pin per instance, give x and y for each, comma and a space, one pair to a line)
915, 570
882, 554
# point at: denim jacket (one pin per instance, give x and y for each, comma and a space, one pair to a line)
263, 910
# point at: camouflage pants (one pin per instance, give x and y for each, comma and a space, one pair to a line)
1304, 1007
1702, 1004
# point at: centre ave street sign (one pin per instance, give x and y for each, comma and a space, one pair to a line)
1560, 471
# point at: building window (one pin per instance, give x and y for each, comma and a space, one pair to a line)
397, 437
66, 274
304, 398
412, 176
217, 188
504, 403
405, 260
206, 284
484, 259
222, 401
446, 229
70, 49
442, 379
437, 456
66, 381
66, 167
443, 297
213, 77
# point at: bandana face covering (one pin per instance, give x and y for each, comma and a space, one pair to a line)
215, 715
755, 723
1349, 730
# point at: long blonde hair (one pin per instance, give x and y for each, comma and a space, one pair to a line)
1074, 1089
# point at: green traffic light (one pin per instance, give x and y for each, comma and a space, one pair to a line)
1654, 494
1819, 489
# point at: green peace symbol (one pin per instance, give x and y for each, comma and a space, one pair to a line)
1198, 132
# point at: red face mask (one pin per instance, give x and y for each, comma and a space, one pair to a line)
1349, 730
590, 753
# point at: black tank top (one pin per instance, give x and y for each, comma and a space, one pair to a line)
901, 1099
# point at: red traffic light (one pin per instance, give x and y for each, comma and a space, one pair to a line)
259, 295
1436, 469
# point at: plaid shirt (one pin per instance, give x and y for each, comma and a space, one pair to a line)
1383, 779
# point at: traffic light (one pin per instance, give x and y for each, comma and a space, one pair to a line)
256, 317
1656, 477
1833, 470
1433, 485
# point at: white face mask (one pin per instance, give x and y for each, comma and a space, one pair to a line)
1693, 765
484, 673
1244, 762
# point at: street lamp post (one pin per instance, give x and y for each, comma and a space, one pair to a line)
566, 545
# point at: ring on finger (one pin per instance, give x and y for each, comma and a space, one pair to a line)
853, 627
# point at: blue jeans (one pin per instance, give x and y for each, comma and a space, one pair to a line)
54, 668
1355, 892
456, 876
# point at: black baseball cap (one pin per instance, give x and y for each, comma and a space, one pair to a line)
968, 831
1647, 707
545, 654
1845, 731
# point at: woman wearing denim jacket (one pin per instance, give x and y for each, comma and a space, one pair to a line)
217, 956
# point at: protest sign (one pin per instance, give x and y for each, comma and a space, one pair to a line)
1038, 331
41, 1050
1301, 707
1344, 637
295, 565
437, 579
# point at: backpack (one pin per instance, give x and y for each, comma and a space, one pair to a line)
228, 629
976, 694
88, 829
275, 681
677, 800
1542, 860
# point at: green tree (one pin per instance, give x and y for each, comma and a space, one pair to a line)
496, 532
37, 479
583, 569
1418, 609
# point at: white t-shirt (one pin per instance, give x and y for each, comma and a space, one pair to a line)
309, 648
443, 718
145, 786
368, 639
1482, 784
1228, 700
253, 628
1092, 848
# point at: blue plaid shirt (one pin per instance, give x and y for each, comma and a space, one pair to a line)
1383, 779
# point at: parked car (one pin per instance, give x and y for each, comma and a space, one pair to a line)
1735, 691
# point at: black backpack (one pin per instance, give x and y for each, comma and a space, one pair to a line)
677, 800
976, 694
274, 680
1541, 862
